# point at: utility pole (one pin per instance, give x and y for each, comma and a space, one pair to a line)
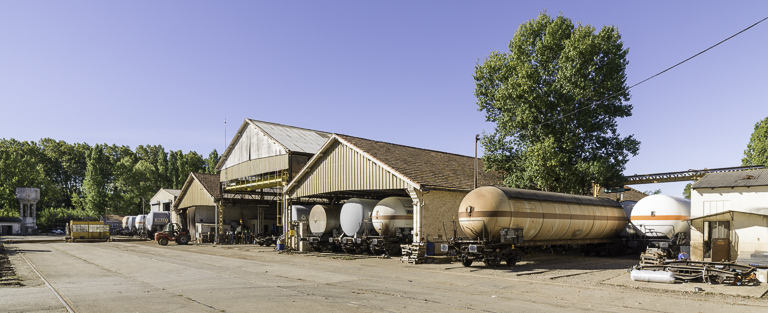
477, 138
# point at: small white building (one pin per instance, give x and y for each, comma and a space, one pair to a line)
163, 201
10, 226
729, 217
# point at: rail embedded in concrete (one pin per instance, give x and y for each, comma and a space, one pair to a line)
688, 175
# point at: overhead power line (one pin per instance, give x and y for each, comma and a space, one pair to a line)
657, 74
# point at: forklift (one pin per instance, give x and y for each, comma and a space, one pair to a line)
173, 231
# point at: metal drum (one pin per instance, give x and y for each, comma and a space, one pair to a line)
543, 216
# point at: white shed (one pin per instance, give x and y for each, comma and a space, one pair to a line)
729, 217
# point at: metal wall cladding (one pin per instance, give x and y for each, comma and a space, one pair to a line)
486, 210
196, 196
255, 167
253, 144
341, 168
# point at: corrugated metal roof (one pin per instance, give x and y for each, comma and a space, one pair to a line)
427, 167
294, 138
335, 169
733, 179
174, 192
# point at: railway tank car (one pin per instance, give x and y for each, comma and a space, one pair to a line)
356, 223
393, 220
660, 221
497, 220
325, 227
661, 216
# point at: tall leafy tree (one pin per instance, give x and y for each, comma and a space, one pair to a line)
19, 169
555, 97
211, 161
757, 148
687, 191
97, 185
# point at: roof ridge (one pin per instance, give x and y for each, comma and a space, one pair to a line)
395, 144
302, 128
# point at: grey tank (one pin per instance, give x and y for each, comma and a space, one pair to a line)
157, 219
356, 216
323, 219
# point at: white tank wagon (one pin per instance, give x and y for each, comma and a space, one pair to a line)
629, 230
497, 219
129, 224
356, 223
140, 225
393, 220
658, 216
325, 227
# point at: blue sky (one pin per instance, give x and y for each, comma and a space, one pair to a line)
170, 72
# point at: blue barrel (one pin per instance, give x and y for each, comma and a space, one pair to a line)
280, 247
430, 248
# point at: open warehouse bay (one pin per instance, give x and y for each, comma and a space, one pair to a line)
136, 277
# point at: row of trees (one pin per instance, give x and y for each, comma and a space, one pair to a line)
92, 179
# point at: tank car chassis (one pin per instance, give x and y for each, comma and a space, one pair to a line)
325, 242
376, 244
491, 251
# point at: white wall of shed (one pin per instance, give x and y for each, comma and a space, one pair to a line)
253, 144
710, 201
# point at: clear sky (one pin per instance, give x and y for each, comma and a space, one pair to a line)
170, 72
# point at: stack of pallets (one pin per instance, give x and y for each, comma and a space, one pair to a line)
414, 253
652, 256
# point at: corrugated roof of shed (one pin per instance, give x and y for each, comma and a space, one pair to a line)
295, 139
210, 182
733, 179
427, 167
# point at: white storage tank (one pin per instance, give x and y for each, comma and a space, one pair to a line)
299, 213
629, 229
659, 216
131, 222
140, 222
127, 222
392, 213
323, 219
356, 216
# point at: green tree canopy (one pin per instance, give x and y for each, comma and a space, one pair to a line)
555, 97
757, 149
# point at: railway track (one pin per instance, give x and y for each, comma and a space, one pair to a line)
67, 304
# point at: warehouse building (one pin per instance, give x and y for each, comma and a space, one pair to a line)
346, 167
729, 217
261, 159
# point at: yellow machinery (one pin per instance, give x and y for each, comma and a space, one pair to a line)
87, 231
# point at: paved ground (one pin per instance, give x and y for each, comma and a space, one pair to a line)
142, 276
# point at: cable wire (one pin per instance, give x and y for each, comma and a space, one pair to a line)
657, 74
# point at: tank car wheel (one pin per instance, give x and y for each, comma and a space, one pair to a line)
163, 241
261, 243
511, 261
268, 243
492, 262
183, 239
467, 262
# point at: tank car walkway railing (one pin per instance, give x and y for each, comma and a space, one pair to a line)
688, 175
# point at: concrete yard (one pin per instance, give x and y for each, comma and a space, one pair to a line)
142, 276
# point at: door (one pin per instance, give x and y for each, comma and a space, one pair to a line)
717, 243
